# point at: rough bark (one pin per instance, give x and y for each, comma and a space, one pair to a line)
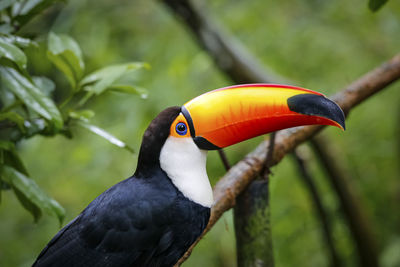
252, 226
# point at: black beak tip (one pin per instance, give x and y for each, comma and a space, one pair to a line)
317, 105
204, 144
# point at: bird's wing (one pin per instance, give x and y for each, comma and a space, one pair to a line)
55, 239
125, 225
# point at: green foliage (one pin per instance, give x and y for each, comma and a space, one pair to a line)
65, 53
13, 53
107, 78
375, 5
30, 195
322, 45
27, 92
27, 107
20, 12
100, 132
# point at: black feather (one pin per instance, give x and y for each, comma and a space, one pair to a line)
142, 221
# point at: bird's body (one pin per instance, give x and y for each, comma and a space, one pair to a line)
153, 217
118, 230
144, 220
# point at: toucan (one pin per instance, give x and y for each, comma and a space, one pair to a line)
152, 218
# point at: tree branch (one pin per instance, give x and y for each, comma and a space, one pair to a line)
233, 60
245, 171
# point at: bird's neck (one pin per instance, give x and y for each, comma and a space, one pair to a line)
185, 165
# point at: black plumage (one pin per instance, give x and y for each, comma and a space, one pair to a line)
142, 221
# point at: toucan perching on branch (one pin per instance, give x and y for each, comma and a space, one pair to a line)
151, 218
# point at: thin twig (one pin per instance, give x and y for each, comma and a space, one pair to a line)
270, 152
308, 180
358, 222
224, 159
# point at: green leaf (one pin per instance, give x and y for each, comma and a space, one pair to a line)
7, 145
83, 115
30, 194
102, 133
29, 94
103, 78
13, 53
66, 55
24, 11
14, 117
129, 89
7, 98
45, 85
62, 62
6, 28
59, 43
375, 5
28, 204
29, 5
6, 3
110, 72
11, 157
36, 126
18, 41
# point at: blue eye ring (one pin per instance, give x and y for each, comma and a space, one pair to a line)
181, 128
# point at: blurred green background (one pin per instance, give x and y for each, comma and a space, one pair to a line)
321, 45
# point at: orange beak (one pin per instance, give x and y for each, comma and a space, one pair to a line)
227, 116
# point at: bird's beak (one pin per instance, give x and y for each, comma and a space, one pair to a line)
227, 116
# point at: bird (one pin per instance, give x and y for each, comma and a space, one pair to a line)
154, 216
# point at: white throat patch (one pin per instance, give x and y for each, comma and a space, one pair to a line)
185, 165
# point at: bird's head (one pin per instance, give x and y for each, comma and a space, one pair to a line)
227, 116
179, 136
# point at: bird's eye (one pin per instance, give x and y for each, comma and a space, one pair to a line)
181, 128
